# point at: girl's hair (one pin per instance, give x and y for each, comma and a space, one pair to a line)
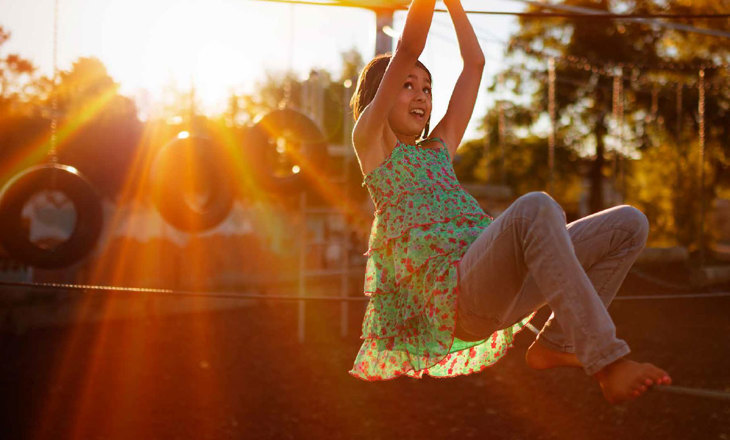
369, 81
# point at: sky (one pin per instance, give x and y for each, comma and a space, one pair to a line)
229, 45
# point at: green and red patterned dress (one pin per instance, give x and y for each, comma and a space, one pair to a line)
424, 223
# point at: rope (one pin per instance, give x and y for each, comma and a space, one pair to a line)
189, 293
675, 296
658, 281
699, 392
713, 394
237, 295
234, 295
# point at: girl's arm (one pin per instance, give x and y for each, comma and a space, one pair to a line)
372, 126
461, 105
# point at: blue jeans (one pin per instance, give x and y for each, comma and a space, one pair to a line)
528, 258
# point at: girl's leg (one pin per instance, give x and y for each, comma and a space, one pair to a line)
606, 243
531, 239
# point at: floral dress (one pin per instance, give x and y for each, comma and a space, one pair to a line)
424, 223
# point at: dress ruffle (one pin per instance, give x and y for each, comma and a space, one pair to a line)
431, 219
424, 223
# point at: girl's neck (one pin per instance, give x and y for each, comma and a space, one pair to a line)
406, 139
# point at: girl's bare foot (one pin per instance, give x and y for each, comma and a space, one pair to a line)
540, 357
625, 380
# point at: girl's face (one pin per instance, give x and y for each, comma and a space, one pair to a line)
412, 108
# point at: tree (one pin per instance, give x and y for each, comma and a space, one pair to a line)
98, 130
519, 162
15, 74
598, 61
21, 120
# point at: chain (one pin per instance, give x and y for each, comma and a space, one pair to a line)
701, 111
501, 126
551, 110
618, 116
54, 98
607, 69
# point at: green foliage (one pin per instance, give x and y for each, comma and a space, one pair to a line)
15, 75
660, 137
665, 185
521, 164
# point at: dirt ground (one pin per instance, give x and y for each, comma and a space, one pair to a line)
241, 373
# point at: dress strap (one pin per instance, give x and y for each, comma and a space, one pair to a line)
435, 139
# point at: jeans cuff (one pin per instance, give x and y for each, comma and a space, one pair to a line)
605, 359
552, 345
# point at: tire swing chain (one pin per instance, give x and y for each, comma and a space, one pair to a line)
53, 153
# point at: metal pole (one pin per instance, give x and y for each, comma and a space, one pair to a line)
344, 306
383, 43
302, 262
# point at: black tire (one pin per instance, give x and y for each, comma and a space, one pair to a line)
86, 201
308, 145
188, 157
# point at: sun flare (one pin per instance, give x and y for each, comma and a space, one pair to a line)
182, 44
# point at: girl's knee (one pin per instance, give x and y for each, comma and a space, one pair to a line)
537, 202
636, 221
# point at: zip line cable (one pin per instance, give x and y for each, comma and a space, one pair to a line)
594, 15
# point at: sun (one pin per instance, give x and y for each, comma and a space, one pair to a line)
188, 43
191, 44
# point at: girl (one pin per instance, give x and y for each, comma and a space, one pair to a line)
449, 285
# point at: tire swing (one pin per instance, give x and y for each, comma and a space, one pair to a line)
288, 149
190, 186
15, 233
52, 177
